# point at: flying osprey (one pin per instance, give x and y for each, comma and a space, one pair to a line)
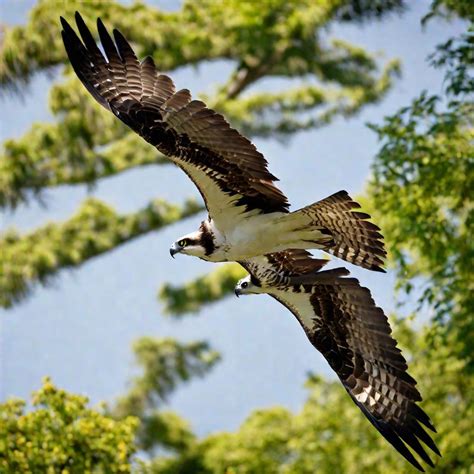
248, 214
342, 321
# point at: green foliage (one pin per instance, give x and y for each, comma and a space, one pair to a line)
366, 10
448, 391
203, 290
421, 195
450, 8
278, 114
70, 151
227, 29
62, 435
457, 57
93, 230
165, 363
328, 434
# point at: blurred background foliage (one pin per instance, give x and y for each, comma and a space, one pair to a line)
420, 193
61, 434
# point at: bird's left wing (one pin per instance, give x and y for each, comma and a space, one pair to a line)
342, 321
229, 172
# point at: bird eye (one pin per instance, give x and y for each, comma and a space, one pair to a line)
182, 243
245, 284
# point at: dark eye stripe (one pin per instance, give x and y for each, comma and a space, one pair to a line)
254, 280
187, 242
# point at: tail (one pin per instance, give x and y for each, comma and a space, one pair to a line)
351, 236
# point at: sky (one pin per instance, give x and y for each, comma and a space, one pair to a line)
80, 329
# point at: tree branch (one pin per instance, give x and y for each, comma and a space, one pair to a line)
204, 290
94, 230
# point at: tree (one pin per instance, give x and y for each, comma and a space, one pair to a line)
330, 435
61, 434
165, 363
421, 193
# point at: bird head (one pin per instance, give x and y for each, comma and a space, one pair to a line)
190, 244
246, 286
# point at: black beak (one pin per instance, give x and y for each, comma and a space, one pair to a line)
237, 292
174, 250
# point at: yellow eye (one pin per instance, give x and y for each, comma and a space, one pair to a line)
182, 243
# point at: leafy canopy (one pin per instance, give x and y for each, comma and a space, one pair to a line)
421, 195
61, 434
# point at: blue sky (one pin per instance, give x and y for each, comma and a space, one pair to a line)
80, 329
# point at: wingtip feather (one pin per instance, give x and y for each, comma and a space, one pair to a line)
67, 28
79, 20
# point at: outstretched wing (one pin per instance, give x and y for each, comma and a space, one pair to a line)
342, 321
230, 173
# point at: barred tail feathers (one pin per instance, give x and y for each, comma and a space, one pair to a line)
353, 237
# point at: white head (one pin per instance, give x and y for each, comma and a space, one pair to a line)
190, 244
198, 244
248, 286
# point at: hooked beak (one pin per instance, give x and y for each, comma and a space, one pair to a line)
237, 292
175, 248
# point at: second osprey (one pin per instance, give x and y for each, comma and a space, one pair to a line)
248, 214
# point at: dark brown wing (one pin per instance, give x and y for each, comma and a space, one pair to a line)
228, 170
353, 334
342, 321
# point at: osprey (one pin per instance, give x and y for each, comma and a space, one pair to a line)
342, 321
247, 214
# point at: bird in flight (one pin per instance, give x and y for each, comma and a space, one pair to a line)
247, 214
342, 321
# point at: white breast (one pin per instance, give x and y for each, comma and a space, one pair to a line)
253, 235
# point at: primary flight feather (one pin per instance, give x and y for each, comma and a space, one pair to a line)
247, 214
